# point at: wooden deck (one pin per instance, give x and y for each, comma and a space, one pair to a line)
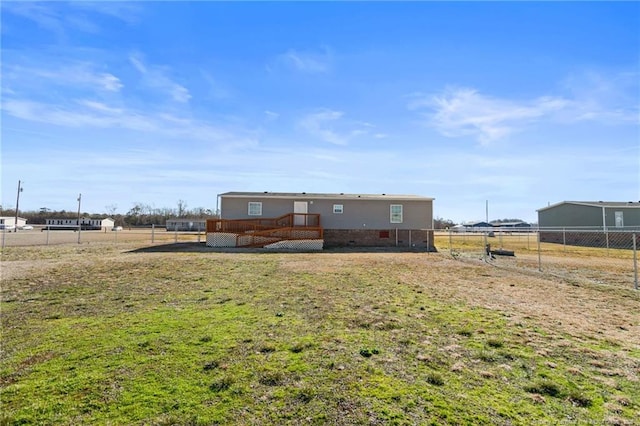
264, 231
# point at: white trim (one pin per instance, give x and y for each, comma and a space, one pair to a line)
257, 208
393, 216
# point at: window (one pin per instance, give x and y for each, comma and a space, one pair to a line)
396, 213
255, 208
619, 219
338, 208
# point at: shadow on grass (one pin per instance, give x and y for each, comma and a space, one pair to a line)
191, 247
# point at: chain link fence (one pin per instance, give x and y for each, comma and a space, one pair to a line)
599, 256
50, 235
577, 255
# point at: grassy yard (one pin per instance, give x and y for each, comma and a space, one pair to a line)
107, 334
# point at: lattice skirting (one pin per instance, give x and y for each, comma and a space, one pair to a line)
296, 245
221, 239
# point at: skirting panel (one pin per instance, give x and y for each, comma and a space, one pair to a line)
221, 239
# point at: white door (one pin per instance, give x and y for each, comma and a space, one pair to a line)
300, 209
619, 220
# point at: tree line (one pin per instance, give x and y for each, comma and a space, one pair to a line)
141, 214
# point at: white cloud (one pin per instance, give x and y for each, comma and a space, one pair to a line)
59, 17
91, 114
592, 97
331, 126
307, 61
74, 74
319, 124
156, 77
463, 111
271, 116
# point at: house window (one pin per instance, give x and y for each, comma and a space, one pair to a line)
338, 208
255, 208
396, 213
619, 219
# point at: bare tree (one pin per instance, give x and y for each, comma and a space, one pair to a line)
111, 209
182, 207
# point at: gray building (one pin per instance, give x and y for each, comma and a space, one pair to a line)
590, 223
345, 219
590, 214
185, 224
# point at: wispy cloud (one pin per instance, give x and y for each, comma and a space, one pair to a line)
91, 114
307, 61
59, 19
157, 77
463, 111
74, 74
329, 126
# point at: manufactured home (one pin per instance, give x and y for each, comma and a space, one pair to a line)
329, 220
86, 224
9, 222
590, 214
186, 224
590, 223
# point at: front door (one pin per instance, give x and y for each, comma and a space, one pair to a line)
300, 210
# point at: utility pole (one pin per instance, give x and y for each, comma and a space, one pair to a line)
79, 226
17, 204
486, 211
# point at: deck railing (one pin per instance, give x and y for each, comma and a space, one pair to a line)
289, 220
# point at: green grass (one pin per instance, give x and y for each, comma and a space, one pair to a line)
109, 337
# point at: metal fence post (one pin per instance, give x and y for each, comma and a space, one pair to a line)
4, 232
635, 262
539, 255
450, 243
153, 232
485, 251
175, 234
564, 239
48, 230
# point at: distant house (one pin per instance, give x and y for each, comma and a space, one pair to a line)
590, 223
186, 224
473, 226
519, 225
590, 214
85, 224
333, 220
9, 222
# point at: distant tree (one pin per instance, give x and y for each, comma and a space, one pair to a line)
440, 223
506, 220
182, 208
111, 209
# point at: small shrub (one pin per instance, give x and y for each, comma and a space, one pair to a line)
365, 352
487, 356
267, 349
495, 343
272, 378
435, 379
211, 365
545, 387
221, 385
579, 400
305, 396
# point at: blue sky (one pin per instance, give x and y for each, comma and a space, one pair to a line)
521, 104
